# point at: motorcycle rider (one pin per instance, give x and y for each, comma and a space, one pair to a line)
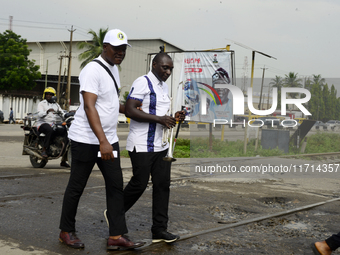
47, 118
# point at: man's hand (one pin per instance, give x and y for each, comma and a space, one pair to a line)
168, 121
180, 115
140, 107
106, 151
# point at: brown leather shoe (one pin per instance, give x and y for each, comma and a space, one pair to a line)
71, 240
321, 248
122, 243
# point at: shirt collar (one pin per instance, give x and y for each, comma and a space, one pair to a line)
154, 79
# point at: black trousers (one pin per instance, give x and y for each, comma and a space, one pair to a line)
334, 242
84, 156
144, 164
48, 131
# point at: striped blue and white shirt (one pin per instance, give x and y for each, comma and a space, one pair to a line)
145, 136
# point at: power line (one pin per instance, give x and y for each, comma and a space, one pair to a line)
27, 21
34, 27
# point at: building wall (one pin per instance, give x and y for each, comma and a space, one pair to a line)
49, 56
134, 65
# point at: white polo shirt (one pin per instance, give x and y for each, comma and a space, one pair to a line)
94, 79
145, 136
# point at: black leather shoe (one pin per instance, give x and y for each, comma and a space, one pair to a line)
164, 236
71, 240
64, 164
122, 243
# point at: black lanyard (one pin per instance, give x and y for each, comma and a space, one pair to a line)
108, 71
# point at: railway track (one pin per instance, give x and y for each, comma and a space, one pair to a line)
181, 175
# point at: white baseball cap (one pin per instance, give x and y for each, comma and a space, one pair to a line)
116, 37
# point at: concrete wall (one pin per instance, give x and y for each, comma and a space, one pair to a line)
21, 106
134, 65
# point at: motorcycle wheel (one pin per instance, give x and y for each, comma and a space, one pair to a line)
37, 163
69, 156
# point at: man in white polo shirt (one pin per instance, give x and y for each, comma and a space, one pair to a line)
144, 143
93, 135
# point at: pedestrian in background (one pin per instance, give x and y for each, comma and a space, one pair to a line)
11, 116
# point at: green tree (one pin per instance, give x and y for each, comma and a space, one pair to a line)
316, 104
292, 81
16, 70
308, 83
317, 79
337, 112
125, 95
333, 103
326, 94
277, 82
93, 48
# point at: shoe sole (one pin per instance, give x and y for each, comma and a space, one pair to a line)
164, 240
74, 247
315, 250
121, 248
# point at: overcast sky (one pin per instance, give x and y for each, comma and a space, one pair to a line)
303, 34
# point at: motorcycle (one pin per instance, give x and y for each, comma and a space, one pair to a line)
59, 144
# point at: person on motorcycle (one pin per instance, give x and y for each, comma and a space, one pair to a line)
47, 117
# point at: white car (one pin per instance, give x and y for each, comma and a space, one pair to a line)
332, 123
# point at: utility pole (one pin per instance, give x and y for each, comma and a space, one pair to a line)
10, 22
262, 87
68, 89
245, 74
46, 74
58, 88
268, 97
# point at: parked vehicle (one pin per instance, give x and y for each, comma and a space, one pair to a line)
59, 146
289, 123
122, 118
319, 125
268, 121
332, 123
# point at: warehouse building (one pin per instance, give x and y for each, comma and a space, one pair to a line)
53, 59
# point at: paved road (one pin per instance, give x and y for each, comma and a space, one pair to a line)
30, 204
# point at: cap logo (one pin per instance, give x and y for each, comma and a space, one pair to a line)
120, 36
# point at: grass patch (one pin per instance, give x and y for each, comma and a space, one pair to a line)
323, 142
199, 147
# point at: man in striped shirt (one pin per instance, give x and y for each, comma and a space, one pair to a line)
144, 143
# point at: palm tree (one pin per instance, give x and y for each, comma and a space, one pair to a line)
277, 82
318, 80
94, 48
292, 81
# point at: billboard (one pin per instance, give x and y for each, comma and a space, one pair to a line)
203, 80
